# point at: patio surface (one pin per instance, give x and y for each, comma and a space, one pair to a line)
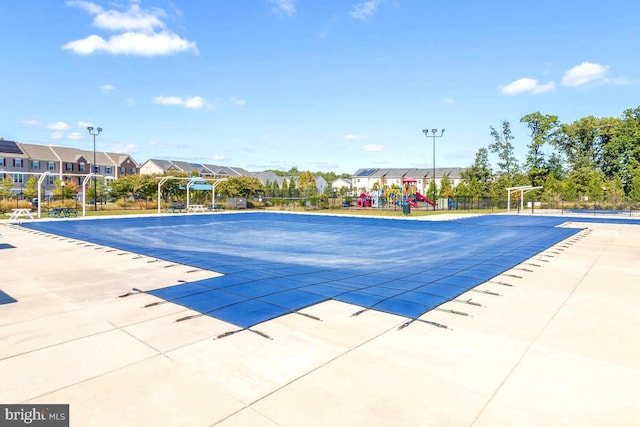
553, 341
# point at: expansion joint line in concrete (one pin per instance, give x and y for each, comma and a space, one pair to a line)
537, 336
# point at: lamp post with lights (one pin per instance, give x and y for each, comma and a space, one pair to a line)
434, 136
93, 167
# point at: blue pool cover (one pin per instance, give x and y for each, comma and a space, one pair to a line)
275, 263
5, 298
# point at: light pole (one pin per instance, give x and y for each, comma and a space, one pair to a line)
62, 184
93, 166
434, 136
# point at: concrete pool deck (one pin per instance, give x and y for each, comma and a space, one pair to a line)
557, 346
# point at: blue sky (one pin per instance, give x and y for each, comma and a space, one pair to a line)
317, 84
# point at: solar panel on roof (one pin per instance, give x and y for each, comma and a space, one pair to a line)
9, 147
367, 172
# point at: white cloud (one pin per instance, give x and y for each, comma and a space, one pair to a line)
139, 32
351, 137
283, 7
84, 124
373, 147
90, 7
364, 10
527, 85
58, 126
585, 73
193, 102
168, 100
219, 157
31, 122
449, 101
107, 88
131, 43
134, 19
125, 148
74, 136
237, 101
56, 135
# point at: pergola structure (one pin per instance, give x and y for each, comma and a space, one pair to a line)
43, 175
191, 181
522, 189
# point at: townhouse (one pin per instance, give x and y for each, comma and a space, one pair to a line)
159, 167
19, 161
365, 180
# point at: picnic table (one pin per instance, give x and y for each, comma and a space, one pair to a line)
173, 207
196, 208
21, 213
62, 212
216, 207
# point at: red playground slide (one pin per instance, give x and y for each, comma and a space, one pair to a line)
424, 199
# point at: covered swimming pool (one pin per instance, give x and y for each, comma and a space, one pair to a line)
276, 263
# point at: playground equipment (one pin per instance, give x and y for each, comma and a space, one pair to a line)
408, 194
364, 200
411, 195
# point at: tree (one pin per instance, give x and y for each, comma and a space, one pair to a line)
446, 190
502, 146
306, 180
31, 188
542, 128
6, 187
595, 187
240, 186
462, 189
432, 190
634, 190
291, 190
569, 189
479, 173
268, 189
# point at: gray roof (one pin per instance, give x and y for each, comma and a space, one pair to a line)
418, 173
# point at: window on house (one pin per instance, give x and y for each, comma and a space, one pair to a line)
123, 170
68, 167
51, 180
80, 181
108, 170
18, 178
1, 161
133, 171
96, 170
81, 167
35, 164
17, 163
51, 166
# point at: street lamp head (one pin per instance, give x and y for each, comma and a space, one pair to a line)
425, 131
433, 131
62, 183
442, 131
100, 130
90, 129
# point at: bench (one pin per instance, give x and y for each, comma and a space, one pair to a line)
216, 207
173, 207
